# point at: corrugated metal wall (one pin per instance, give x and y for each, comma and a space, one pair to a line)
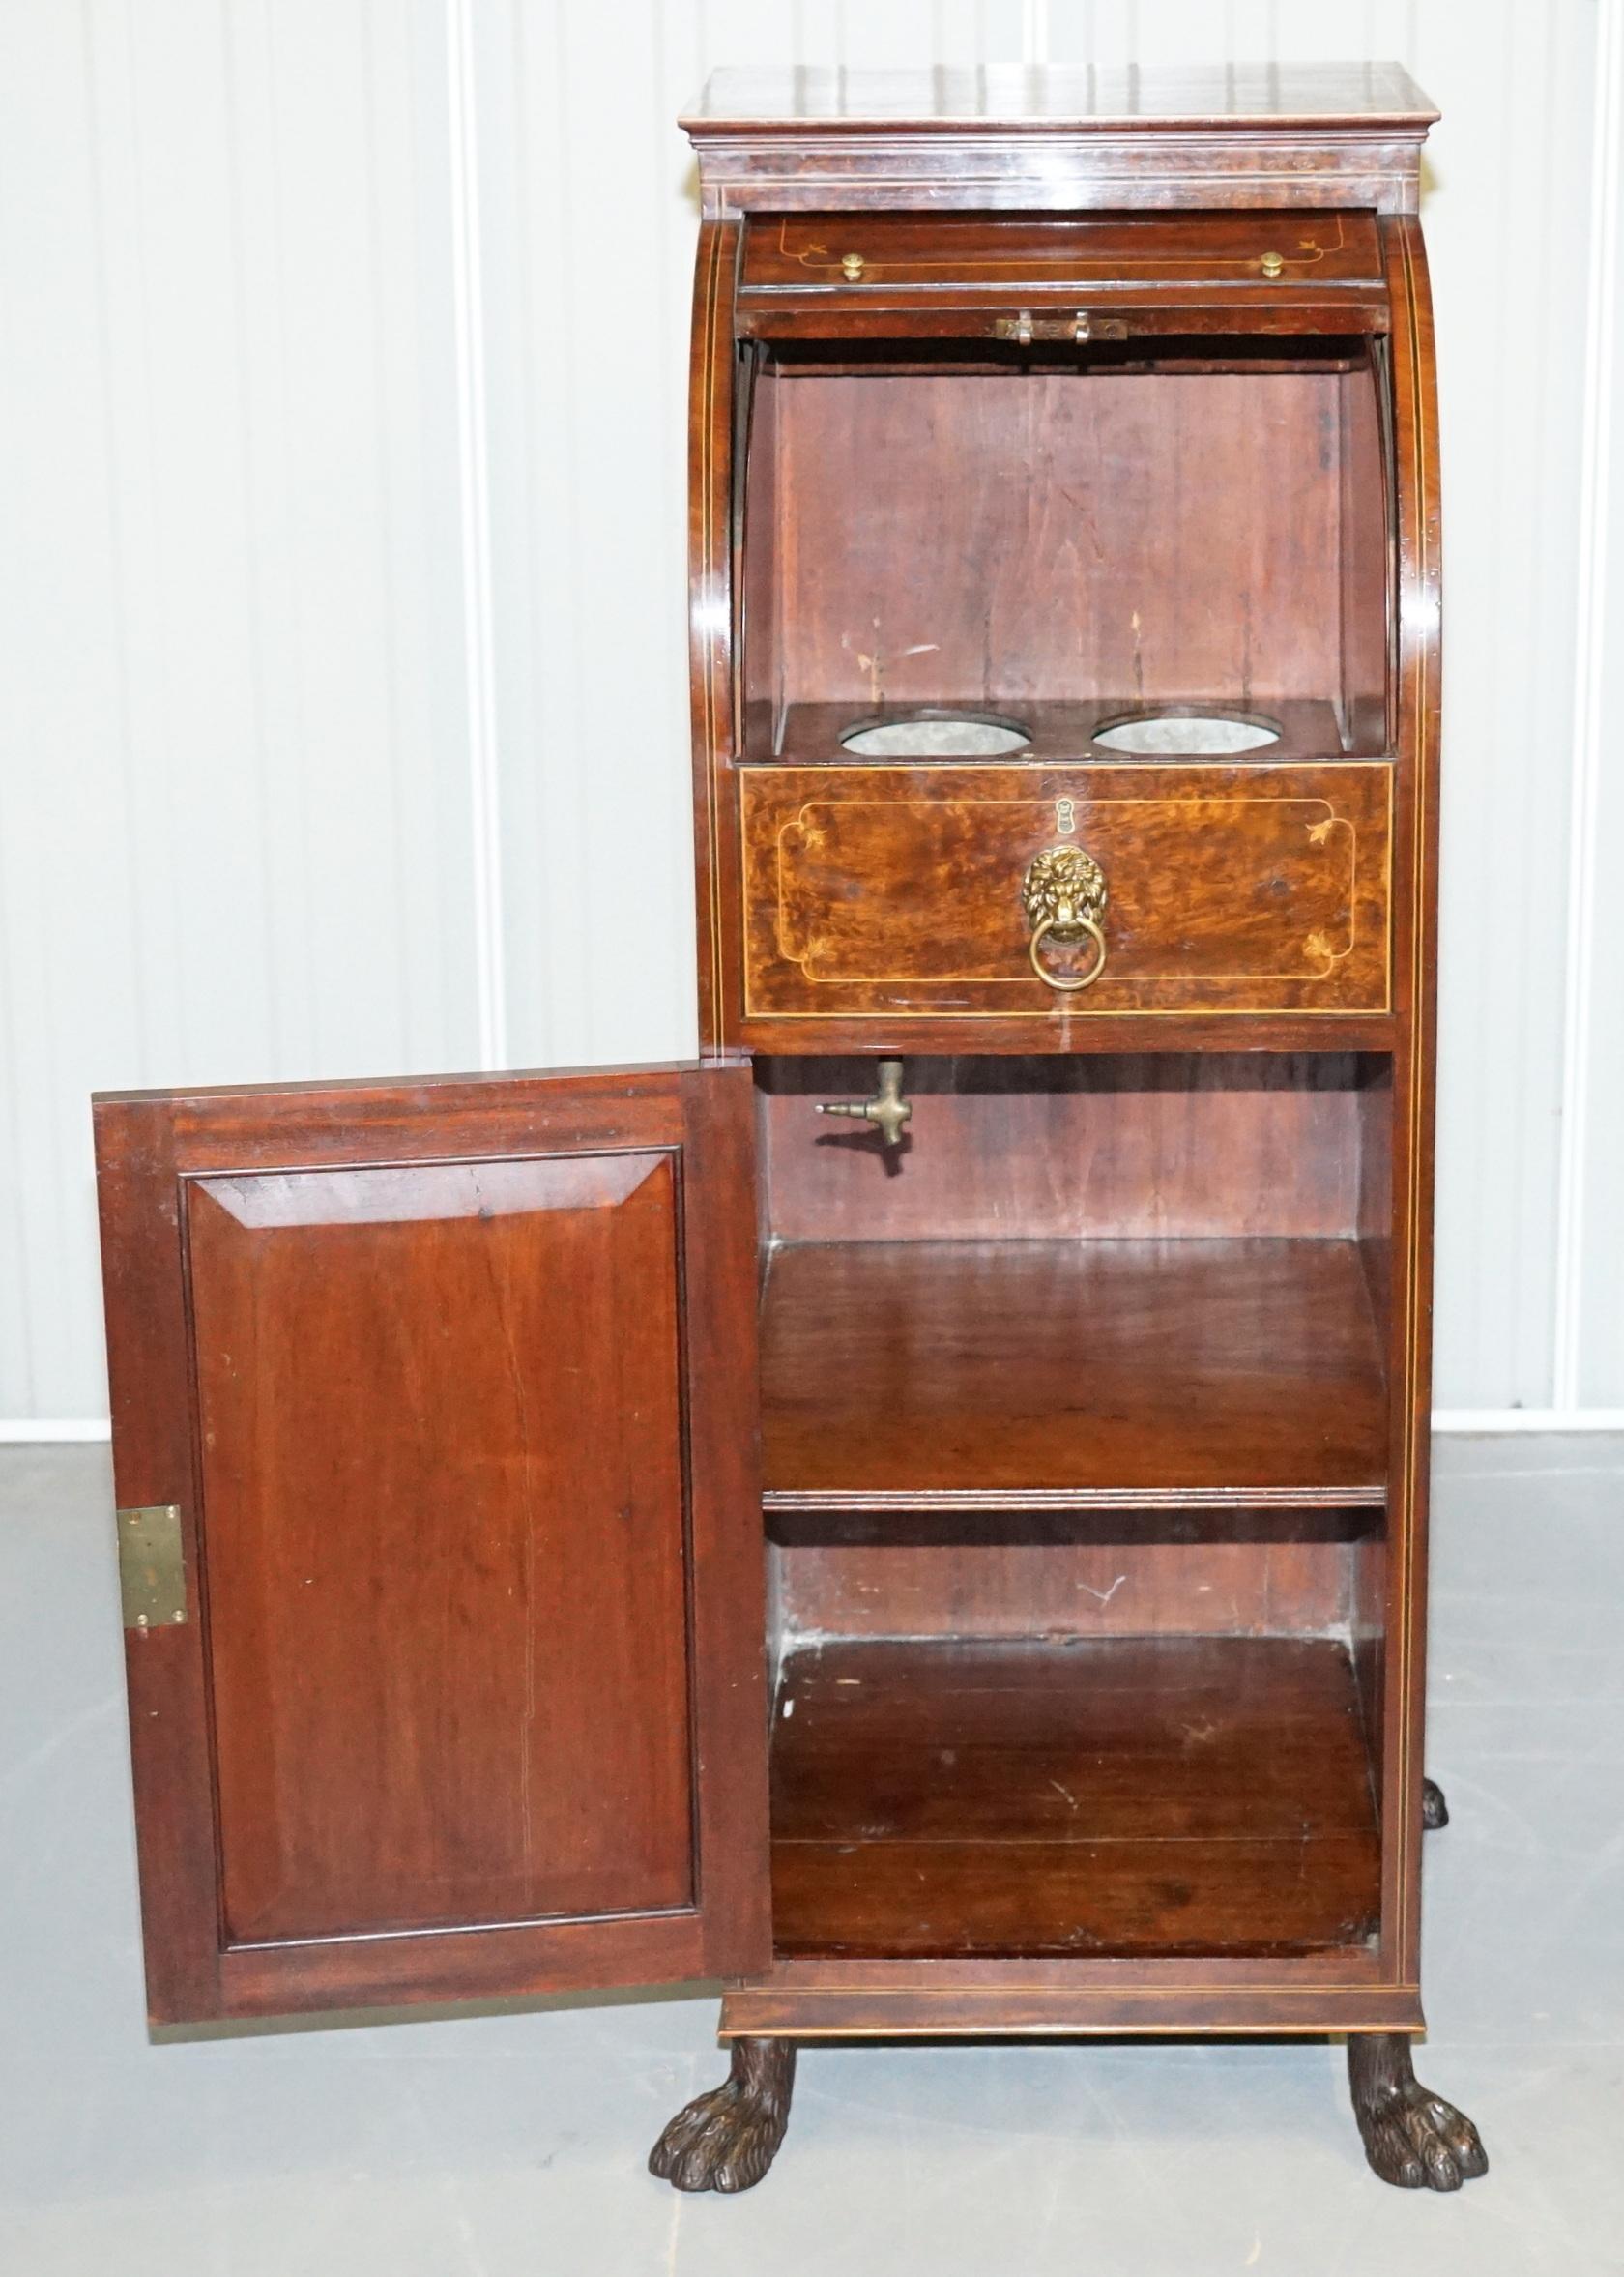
342, 664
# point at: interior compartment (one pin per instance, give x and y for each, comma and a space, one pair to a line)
1145, 1796
1074, 1400
1076, 1534
1032, 1368
1172, 529
1194, 1307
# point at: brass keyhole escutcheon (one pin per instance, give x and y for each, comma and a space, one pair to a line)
1064, 895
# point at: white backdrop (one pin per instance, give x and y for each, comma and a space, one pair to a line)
341, 519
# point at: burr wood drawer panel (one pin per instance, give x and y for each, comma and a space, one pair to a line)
911, 890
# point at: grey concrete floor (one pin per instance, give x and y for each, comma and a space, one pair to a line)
492, 2144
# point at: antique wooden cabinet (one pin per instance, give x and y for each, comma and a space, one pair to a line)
957, 1566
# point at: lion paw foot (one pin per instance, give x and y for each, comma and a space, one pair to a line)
1412, 2138
726, 2139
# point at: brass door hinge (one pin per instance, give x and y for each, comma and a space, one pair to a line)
151, 1566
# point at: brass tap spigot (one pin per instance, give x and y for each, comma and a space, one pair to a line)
888, 1110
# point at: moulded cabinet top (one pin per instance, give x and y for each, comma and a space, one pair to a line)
1076, 98
1060, 138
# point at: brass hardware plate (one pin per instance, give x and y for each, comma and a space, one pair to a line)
1065, 889
151, 1566
1081, 326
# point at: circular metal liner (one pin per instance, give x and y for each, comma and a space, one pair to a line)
935, 735
1167, 734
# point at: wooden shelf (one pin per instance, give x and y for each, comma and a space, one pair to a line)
1132, 1797
1069, 1374
1061, 732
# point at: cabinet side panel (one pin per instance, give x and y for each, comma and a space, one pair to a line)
433, 1551
1415, 968
712, 442
727, 1598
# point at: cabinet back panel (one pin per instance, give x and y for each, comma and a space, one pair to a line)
416, 1585
1160, 1145
951, 539
1065, 1589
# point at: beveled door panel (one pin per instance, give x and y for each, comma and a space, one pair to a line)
413, 1628
468, 1413
893, 891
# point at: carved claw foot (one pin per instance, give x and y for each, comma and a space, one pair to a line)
1435, 1811
728, 2138
1412, 2137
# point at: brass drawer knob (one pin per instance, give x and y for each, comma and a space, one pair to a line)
1271, 264
851, 267
1063, 894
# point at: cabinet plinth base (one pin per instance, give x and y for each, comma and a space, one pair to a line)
1412, 2138
726, 2139
1063, 2001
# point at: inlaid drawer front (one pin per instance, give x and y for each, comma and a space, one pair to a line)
1106, 255
966, 891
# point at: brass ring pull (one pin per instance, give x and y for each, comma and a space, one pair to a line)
1063, 894
1084, 928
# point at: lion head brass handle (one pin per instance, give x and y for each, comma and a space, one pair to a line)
1063, 894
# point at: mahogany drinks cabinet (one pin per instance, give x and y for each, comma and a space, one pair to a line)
956, 1566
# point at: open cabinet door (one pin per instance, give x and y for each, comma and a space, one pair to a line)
435, 1437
